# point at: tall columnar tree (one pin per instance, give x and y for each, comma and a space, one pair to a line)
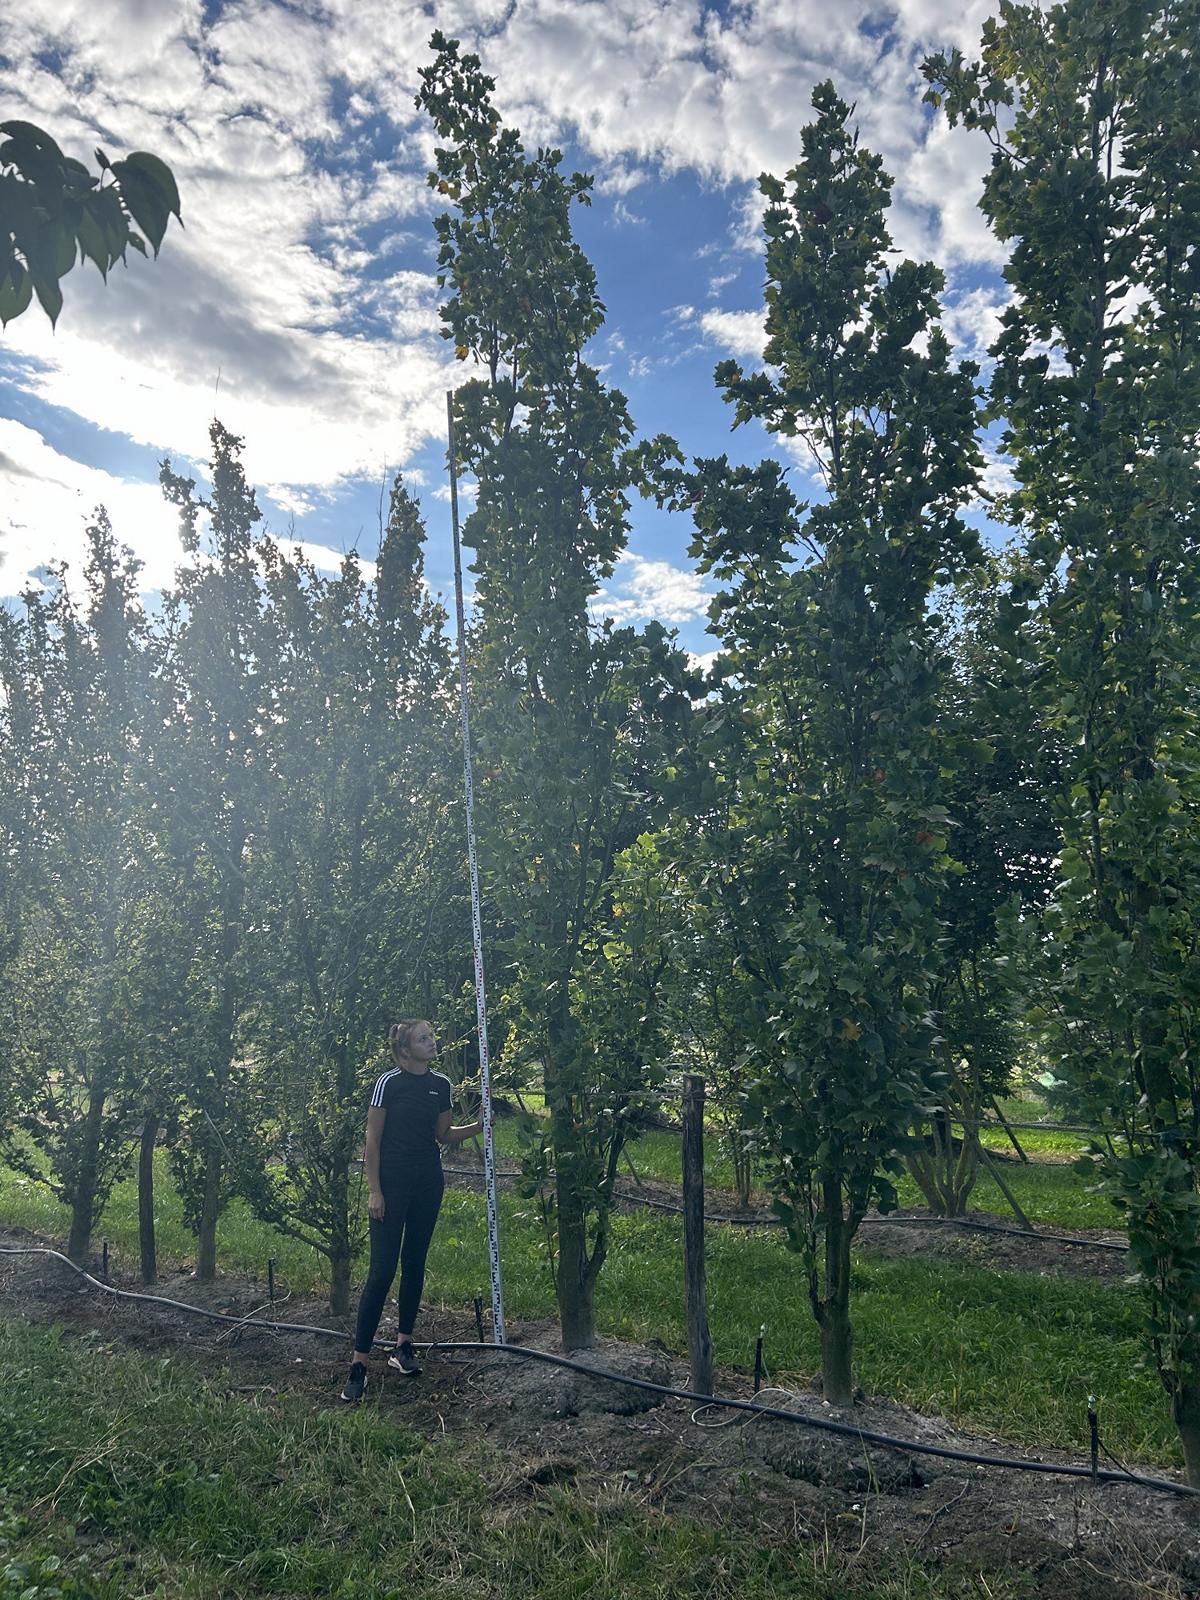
358, 769
838, 823
1095, 186
209, 816
566, 712
82, 888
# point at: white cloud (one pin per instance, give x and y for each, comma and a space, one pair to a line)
620, 178
468, 488
742, 333
267, 284
971, 319
49, 501
997, 477
323, 558
646, 591
627, 218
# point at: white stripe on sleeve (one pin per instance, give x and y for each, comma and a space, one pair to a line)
380, 1085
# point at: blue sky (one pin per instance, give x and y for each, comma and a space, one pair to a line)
299, 304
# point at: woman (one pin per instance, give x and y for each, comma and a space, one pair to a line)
408, 1118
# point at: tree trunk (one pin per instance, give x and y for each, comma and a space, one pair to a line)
339, 1280
945, 1175
575, 1283
837, 1345
837, 1336
743, 1165
83, 1196
80, 1236
206, 1235
146, 1241
576, 1314
341, 1251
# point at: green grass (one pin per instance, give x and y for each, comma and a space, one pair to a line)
1051, 1195
1011, 1352
1036, 1142
179, 1489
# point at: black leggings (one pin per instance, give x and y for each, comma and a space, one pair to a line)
411, 1201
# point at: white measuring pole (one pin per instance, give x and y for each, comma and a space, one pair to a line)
485, 1069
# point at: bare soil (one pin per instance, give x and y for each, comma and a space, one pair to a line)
1066, 1539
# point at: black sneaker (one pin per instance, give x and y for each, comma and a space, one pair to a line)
404, 1359
355, 1383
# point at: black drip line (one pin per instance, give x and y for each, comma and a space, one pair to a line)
775, 1413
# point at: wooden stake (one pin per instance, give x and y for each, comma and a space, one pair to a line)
699, 1342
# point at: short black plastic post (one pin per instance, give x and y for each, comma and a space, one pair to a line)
271, 1280
1094, 1433
758, 1358
479, 1316
104, 1260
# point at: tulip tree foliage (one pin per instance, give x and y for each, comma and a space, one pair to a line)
55, 213
1095, 187
569, 717
837, 837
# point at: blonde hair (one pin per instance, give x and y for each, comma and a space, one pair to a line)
399, 1034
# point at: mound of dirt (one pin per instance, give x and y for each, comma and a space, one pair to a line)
538, 1392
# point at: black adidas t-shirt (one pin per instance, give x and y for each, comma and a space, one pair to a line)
413, 1102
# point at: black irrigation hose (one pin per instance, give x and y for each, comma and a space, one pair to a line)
825, 1424
161, 1299
999, 1227
820, 1424
775, 1222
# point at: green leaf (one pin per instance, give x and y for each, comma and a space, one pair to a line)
158, 175
144, 201
50, 297
93, 243
15, 296
26, 131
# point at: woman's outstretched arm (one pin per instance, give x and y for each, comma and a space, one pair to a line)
445, 1134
